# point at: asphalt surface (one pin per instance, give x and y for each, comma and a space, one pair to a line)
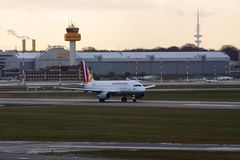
140, 103
29, 150
34, 147
22, 156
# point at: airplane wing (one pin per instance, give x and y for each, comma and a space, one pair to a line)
151, 86
69, 88
110, 90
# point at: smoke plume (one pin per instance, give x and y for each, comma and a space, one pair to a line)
13, 33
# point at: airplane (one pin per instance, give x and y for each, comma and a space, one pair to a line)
222, 78
147, 78
106, 89
210, 80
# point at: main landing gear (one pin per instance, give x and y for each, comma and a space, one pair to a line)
124, 99
102, 100
134, 99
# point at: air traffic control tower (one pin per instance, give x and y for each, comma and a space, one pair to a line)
72, 35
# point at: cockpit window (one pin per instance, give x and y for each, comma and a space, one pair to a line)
137, 85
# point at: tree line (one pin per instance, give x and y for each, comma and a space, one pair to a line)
232, 51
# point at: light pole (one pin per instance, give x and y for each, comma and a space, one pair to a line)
161, 70
215, 71
136, 67
187, 71
59, 73
23, 72
226, 67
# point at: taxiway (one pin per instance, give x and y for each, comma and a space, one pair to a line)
29, 150
140, 103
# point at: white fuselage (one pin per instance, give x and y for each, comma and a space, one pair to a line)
125, 88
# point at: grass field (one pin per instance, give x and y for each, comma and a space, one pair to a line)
110, 124
156, 155
207, 85
195, 96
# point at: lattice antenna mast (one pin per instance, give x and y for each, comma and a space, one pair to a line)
198, 35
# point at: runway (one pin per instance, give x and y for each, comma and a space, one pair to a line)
32, 147
17, 150
110, 103
23, 156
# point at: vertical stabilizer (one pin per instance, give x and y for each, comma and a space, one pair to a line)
86, 74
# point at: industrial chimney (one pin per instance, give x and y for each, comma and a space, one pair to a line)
24, 45
33, 45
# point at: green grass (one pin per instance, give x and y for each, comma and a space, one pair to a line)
199, 86
12, 88
110, 124
155, 155
56, 95
195, 95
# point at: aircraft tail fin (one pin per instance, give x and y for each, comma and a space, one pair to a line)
86, 74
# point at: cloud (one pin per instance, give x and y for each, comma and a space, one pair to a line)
13, 33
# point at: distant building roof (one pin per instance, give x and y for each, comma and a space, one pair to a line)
156, 55
124, 56
28, 55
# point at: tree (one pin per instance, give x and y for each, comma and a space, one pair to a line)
127, 75
88, 49
173, 49
231, 51
189, 47
111, 74
142, 74
158, 49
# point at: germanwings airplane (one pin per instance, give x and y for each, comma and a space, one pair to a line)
106, 89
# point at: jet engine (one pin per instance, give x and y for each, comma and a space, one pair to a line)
103, 95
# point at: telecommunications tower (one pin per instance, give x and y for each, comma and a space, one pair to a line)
198, 35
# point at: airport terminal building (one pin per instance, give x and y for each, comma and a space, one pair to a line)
119, 63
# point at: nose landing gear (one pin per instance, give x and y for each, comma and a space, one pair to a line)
134, 99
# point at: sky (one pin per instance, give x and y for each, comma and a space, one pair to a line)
119, 24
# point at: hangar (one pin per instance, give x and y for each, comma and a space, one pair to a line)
120, 63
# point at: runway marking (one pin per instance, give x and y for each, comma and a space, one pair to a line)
154, 148
211, 105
